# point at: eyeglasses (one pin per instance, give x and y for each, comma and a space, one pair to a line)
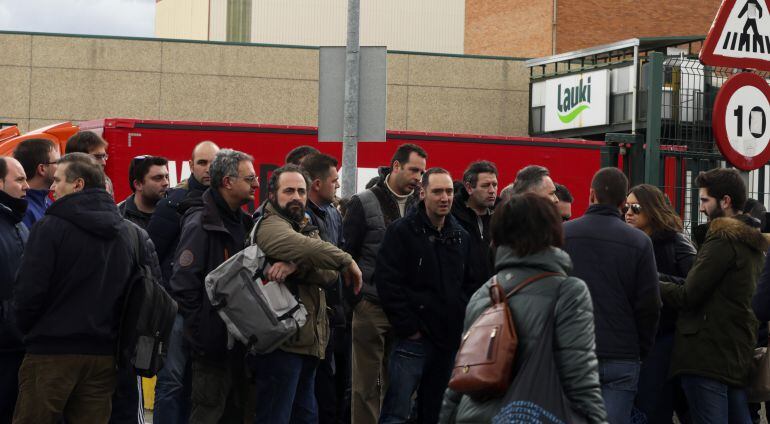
251, 179
636, 208
101, 156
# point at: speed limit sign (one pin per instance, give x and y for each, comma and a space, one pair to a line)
740, 121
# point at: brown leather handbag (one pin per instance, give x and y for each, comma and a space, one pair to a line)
484, 363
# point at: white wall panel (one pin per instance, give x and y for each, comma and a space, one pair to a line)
183, 19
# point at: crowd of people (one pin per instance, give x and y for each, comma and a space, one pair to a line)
643, 324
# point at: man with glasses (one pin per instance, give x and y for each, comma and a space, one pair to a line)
148, 179
617, 262
38, 157
90, 143
211, 233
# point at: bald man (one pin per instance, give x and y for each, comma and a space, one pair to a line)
13, 237
172, 392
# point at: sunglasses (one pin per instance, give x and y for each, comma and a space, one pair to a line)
139, 159
636, 208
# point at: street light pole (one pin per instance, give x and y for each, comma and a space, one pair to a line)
350, 126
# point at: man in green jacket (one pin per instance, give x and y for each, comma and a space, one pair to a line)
285, 378
716, 328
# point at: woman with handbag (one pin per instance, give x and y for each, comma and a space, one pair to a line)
555, 371
647, 209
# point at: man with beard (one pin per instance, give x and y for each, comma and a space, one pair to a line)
368, 215
13, 236
472, 207
211, 233
285, 377
148, 178
38, 156
716, 328
424, 286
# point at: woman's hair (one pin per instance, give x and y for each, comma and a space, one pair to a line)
528, 224
656, 206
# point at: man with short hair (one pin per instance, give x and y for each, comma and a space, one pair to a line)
13, 236
424, 287
173, 385
38, 156
306, 264
332, 376
78, 262
90, 143
148, 178
716, 327
565, 202
618, 264
369, 214
211, 233
298, 154
535, 179
472, 208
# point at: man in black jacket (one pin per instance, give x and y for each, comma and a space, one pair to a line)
78, 262
369, 213
211, 233
13, 236
148, 179
617, 263
472, 207
424, 287
173, 385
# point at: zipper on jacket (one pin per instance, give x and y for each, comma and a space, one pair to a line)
491, 342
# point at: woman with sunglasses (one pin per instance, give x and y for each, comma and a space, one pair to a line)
648, 210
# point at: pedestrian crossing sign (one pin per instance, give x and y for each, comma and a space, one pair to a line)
739, 36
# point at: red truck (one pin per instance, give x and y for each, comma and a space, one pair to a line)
571, 162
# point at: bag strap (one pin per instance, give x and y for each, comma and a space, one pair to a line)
529, 281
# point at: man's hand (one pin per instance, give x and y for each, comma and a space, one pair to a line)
354, 277
279, 271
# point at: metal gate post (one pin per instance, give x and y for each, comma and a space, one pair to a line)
654, 96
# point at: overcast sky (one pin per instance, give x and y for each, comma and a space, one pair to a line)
134, 18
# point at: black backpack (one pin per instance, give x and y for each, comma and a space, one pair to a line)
146, 318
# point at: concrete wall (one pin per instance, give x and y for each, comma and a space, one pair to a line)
48, 79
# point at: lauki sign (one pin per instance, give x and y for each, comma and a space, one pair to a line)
577, 101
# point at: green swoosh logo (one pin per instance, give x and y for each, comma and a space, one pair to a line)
572, 115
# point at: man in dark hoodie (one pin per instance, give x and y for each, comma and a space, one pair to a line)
13, 236
473, 205
68, 293
173, 386
716, 328
368, 215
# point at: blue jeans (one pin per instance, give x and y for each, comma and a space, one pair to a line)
173, 386
416, 366
619, 379
285, 388
714, 402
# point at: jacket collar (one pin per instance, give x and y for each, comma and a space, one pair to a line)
605, 210
12, 208
39, 197
419, 217
549, 260
735, 229
214, 207
301, 227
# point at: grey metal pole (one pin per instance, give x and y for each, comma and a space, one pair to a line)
350, 126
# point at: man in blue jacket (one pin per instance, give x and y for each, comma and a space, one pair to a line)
38, 157
13, 236
617, 263
424, 286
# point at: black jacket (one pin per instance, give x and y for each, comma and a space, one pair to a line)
335, 299
165, 225
76, 267
617, 263
211, 233
422, 279
674, 256
13, 236
481, 261
128, 210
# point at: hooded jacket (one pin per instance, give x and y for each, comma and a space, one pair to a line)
422, 278
716, 328
76, 267
364, 225
283, 239
211, 233
13, 236
530, 308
